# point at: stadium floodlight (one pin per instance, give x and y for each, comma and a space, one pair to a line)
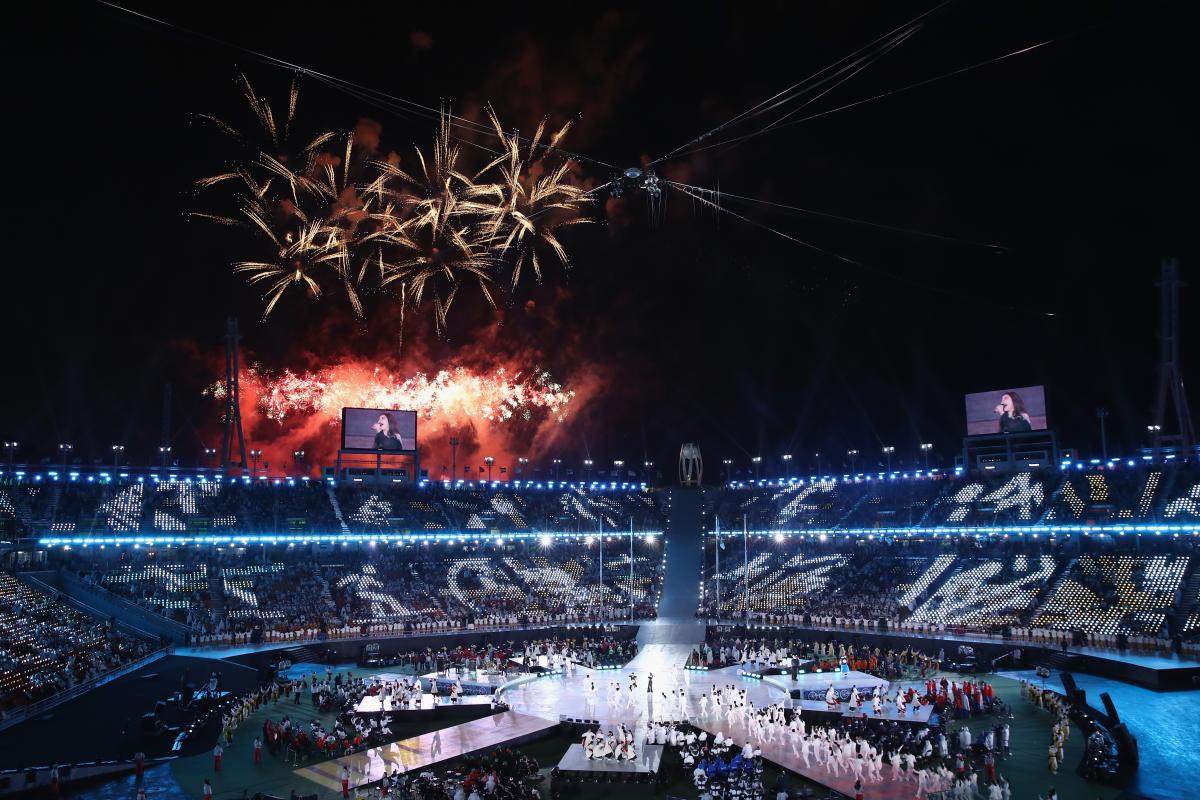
887, 451
925, 448
255, 455
489, 461
1155, 432
11, 449
853, 454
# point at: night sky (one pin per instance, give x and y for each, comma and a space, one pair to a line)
1078, 159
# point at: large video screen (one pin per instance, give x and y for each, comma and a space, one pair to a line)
379, 429
1007, 411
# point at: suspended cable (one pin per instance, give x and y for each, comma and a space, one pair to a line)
852, 220
699, 197
797, 86
853, 68
811, 100
880, 96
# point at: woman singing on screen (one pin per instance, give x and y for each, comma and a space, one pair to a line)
1013, 416
387, 437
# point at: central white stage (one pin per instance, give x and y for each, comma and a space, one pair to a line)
648, 758
538, 704
820, 681
374, 704
813, 686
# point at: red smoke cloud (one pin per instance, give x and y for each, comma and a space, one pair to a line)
504, 393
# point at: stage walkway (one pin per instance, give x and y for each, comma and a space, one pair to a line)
419, 752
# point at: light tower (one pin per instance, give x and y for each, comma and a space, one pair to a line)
1170, 372
233, 399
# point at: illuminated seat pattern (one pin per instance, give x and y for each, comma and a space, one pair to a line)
1186, 507
167, 588
986, 592
777, 580
1115, 594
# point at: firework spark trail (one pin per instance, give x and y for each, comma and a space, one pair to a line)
300, 202
413, 235
457, 396
536, 200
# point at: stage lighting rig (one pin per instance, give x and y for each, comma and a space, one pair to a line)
635, 179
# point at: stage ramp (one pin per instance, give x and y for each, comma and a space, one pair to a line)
684, 507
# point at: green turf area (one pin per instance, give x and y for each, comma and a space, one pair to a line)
1026, 769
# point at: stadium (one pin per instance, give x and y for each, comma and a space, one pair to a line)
451, 460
